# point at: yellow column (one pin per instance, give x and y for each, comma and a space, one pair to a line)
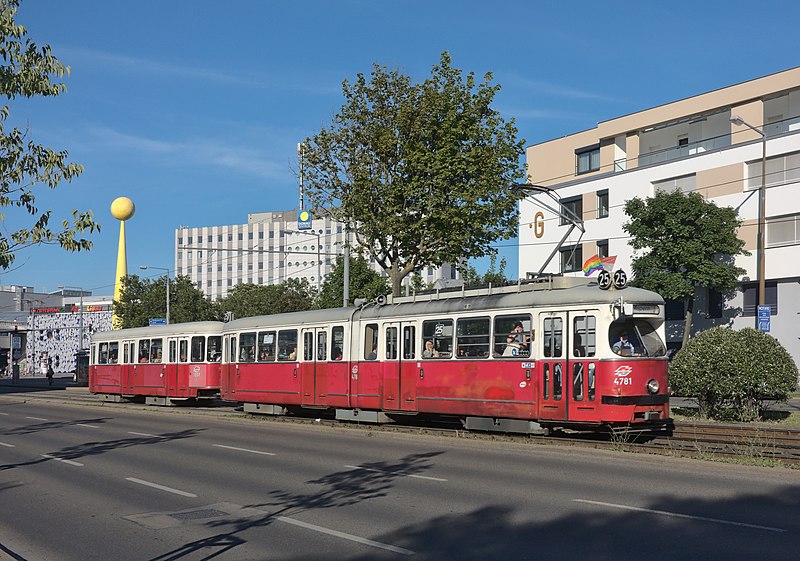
122, 209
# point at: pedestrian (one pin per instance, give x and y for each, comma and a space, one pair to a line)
50, 374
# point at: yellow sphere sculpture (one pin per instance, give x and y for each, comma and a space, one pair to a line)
122, 209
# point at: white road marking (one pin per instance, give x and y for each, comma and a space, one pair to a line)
397, 473
7, 445
70, 462
244, 450
145, 434
3, 413
365, 541
37, 418
86, 425
677, 515
162, 487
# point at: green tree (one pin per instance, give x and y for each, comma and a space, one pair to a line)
683, 242
142, 299
730, 373
365, 282
29, 71
494, 275
246, 300
420, 171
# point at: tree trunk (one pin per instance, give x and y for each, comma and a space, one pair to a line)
687, 326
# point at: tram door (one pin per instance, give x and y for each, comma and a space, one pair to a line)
553, 366
312, 379
171, 367
391, 367
127, 367
229, 369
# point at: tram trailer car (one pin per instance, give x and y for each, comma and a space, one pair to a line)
160, 364
529, 358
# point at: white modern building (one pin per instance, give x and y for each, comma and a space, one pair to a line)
269, 249
711, 143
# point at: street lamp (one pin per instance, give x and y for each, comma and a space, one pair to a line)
145, 267
80, 317
737, 120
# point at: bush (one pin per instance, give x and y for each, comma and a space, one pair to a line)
731, 373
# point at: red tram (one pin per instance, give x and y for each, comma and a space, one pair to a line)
528, 358
162, 364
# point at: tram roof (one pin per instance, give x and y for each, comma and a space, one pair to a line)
189, 328
566, 295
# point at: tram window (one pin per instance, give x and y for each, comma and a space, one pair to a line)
308, 345
440, 332
266, 346
642, 338
337, 336
513, 335
577, 381
156, 349
214, 348
409, 338
584, 336
173, 352
113, 352
546, 392
198, 353
322, 345
553, 337
103, 353
232, 350
391, 343
247, 347
472, 337
371, 341
557, 381
287, 344
126, 353
94, 354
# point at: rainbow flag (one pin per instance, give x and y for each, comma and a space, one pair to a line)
608, 262
592, 264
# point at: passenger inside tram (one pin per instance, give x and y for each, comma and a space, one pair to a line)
635, 337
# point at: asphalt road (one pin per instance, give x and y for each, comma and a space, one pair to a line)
86, 482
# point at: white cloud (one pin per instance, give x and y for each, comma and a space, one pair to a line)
552, 89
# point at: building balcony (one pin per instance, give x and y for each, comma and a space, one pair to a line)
689, 149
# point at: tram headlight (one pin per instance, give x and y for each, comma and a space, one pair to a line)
652, 386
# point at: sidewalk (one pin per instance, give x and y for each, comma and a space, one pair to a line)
61, 381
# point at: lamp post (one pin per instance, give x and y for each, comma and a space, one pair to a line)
145, 267
80, 316
737, 120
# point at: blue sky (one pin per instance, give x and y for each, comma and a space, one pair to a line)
194, 108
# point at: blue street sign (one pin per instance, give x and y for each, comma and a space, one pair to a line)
763, 318
304, 220
158, 321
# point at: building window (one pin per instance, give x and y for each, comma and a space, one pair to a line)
190, 240
602, 204
571, 259
261, 235
750, 298
572, 206
180, 241
219, 238
588, 159
780, 170
602, 248
230, 237
250, 235
241, 237
210, 239
715, 304
674, 310
684, 184
783, 230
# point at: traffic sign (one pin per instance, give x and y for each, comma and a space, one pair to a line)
158, 321
763, 318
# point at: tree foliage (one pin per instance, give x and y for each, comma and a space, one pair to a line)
246, 300
419, 170
731, 373
142, 299
682, 242
494, 275
365, 282
28, 71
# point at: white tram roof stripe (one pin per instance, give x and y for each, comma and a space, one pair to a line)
155, 331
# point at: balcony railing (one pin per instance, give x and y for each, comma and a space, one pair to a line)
690, 149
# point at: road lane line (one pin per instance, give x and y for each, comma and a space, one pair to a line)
7, 445
397, 473
70, 462
342, 535
145, 434
3, 413
677, 515
161, 487
86, 425
244, 450
37, 418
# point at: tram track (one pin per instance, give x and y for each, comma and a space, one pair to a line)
709, 441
